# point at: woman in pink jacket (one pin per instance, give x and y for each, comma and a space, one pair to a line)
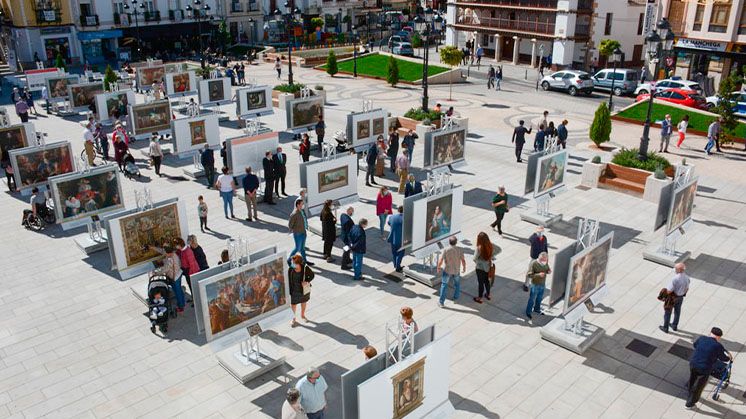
189, 264
384, 202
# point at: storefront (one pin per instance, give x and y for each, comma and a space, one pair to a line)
706, 61
99, 47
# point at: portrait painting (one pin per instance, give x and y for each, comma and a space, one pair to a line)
152, 117
215, 90
143, 231
36, 165
439, 212
409, 389
682, 205
378, 126
256, 99
244, 296
363, 129
83, 95
306, 112
448, 147
149, 75
116, 105
587, 272
88, 194
57, 86
197, 131
13, 137
551, 173
181, 83
333, 179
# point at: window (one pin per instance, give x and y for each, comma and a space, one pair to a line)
119, 8
640, 23
174, 4
607, 27
719, 17
678, 96
558, 75
699, 16
601, 75
742, 24
149, 7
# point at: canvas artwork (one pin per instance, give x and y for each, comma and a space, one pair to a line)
215, 91
117, 104
256, 99
83, 95
149, 75
306, 112
39, 164
409, 389
88, 195
378, 126
13, 137
245, 296
439, 212
57, 86
551, 173
363, 129
143, 230
448, 147
175, 67
587, 273
152, 117
683, 203
197, 131
333, 179
181, 83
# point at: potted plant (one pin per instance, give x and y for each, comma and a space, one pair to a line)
592, 171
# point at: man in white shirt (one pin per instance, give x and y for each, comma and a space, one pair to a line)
312, 388
678, 286
90, 151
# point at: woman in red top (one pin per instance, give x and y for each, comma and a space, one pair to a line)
383, 207
189, 264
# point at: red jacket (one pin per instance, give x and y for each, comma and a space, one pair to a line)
383, 204
188, 261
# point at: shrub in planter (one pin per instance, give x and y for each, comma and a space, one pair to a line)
601, 126
596, 159
286, 88
419, 115
659, 173
628, 158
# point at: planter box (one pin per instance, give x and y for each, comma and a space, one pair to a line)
653, 188
421, 129
282, 98
319, 92
592, 173
625, 178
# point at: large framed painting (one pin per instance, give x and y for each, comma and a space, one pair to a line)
84, 95
409, 389
181, 83
438, 214
378, 126
197, 132
84, 194
180, 67
551, 171
213, 91
58, 86
363, 128
150, 117
114, 104
333, 179
245, 295
146, 76
15, 136
142, 231
33, 166
682, 205
254, 101
587, 272
444, 147
304, 113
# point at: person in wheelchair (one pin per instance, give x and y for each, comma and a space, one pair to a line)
39, 209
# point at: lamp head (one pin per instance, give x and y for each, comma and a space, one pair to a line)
429, 14
668, 43
438, 23
653, 40
663, 27
419, 24
616, 56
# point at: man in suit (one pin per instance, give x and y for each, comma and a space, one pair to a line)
207, 159
346, 224
539, 245
370, 160
412, 187
396, 222
269, 177
358, 247
280, 160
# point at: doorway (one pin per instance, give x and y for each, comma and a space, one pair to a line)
506, 51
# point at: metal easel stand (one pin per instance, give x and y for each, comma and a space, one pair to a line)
543, 216
367, 105
399, 342
95, 238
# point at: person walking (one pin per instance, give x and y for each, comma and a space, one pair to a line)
498, 77
681, 129
448, 264
320, 129
562, 134
408, 143
346, 224
393, 147
88, 145
713, 132
226, 185
299, 285
171, 269
278, 67
22, 109
280, 159
304, 149
370, 160
358, 248
673, 296
312, 389
500, 206
396, 237
189, 265
480, 53
484, 254
45, 98
291, 407
537, 272
402, 169
539, 244
120, 150
268, 166
207, 159
666, 130
328, 229
298, 225
708, 351
519, 138
202, 213
490, 77
384, 202
544, 119
156, 153
539, 138
413, 187
199, 253
99, 136
250, 185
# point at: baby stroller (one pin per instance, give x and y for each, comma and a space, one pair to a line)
130, 168
722, 373
160, 309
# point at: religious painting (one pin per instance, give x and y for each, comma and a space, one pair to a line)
116, 104
363, 129
146, 76
378, 126
409, 389
57, 86
181, 83
333, 179
143, 231
215, 91
438, 222
151, 117
256, 99
87, 194
243, 296
587, 272
682, 205
12, 137
306, 112
83, 95
35, 165
551, 173
448, 147
197, 132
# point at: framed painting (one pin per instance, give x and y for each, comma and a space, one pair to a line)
409, 389
151, 117
550, 172
142, 231
33, 166
82, 195
197, 132
83, 95
333, 179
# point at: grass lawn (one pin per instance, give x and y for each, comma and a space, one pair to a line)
376, 65
697, 121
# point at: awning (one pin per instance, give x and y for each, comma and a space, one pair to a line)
91, 35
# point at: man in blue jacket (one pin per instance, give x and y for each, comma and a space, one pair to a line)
412, 187
707, 351
396, 222
346, 224
357, 245
207, 159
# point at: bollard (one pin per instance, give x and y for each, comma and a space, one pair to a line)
525, 74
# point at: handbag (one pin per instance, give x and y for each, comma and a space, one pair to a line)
491, 273
305, 284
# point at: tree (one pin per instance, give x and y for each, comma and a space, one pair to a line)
416, 40
110, 78
601, 126
331, 63
224, 36
726, 104
317, 22
59, 62
451, 56
393, 72
607, 47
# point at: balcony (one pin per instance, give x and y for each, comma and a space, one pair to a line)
152, 16
513, 25
515, 4
89, 20
237, 8
177, 15
48, 16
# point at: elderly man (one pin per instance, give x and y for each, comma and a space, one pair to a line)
676, 289
312, 398
707, 351
539, 244
666, 130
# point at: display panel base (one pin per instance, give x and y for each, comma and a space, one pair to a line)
88, 245
542, 220
555, 332
423, 273
193, 172
655, 254
245, 369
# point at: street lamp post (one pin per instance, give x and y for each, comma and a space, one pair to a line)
616, 56
354, 51
425, 26
659, 42
136, 5
199, 12
290, 18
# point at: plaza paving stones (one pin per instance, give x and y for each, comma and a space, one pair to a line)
74, 341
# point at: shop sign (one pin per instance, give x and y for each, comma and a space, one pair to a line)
649, 21
701, 44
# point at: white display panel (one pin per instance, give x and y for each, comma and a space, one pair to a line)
214, 91
364, 128
429, 227
36, 79
246, 151
324, 179
191, 134
550, 172
254, 101
181, 83
107, 102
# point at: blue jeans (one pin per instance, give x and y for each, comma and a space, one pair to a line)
396, 255
357, 264
382, 222
710, 144
227, 202
179, 293
316, 415
676, 314
409, 155
444, 285
497, 83
534, 299
300, 244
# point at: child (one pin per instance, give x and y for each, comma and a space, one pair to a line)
202, 211
159, 306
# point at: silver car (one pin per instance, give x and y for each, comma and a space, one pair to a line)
571, 81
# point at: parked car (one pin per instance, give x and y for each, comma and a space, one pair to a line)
403, 48
673, 83
408, 29
684, 97
396, 39
739, 110
571, 81
623, 79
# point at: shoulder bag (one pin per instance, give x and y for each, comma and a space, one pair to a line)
305, 284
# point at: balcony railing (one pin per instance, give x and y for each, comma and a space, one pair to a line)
536, 4
529, 26
236, 8
585, 4
48, 16
89, 20
177, 15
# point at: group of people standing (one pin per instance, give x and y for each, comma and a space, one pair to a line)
545, 131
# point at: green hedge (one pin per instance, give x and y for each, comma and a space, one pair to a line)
628, 158
376, 65
286, 88
419, 115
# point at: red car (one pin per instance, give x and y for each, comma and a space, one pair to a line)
683, 97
